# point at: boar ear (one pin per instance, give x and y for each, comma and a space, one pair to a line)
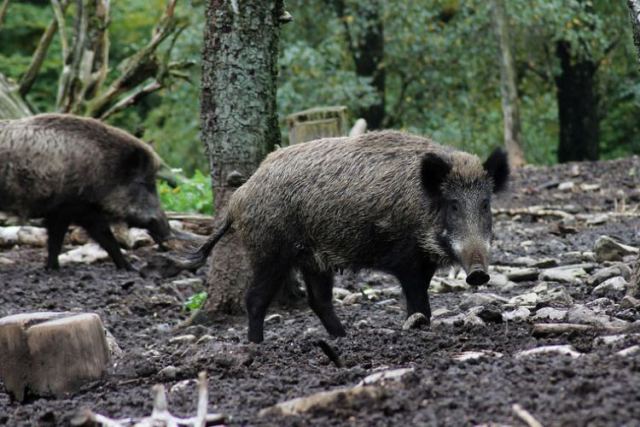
433, 171
497, 166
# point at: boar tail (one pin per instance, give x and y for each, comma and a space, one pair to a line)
197, 259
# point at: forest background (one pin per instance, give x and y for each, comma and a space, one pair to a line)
427, 66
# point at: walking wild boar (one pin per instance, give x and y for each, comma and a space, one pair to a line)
385, 200
68, 169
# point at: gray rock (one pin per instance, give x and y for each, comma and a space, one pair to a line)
520, 314
600, 304
183, 339
273, 319
608, 272
481, 299
549, 313
168, 373
564, 350
353, 298
563, 275
522, 274
556, 296
415, 321
529, 299
340, 293
613, 287
607, 249
584, 315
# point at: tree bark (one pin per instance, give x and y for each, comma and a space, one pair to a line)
577, 106
634, 10
508, 88
366, 46
239, 121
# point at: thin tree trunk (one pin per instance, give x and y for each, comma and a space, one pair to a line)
12, 105
577, 106
509, 90
634, 10
239, 121
367, 49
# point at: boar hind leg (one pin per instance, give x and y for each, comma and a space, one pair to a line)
98, 228
267, 280
415, 280
57, 226
320, 297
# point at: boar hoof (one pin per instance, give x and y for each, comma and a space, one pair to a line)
477, 277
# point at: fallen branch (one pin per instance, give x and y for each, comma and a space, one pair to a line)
160, 416
535, 211
525, 416
561, 328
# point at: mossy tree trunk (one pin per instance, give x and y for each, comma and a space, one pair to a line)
634, 10
239, 121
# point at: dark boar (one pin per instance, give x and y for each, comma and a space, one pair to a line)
68, 169
388, 200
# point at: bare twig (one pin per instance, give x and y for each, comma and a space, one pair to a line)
525, 416
29, 77
160, 415
535, 211
136, 96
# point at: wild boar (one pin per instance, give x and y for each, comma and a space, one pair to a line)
384, 200
68, 169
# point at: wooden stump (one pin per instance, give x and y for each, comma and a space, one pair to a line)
316, 123
51, 354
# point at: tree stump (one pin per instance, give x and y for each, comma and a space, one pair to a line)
51, 354
316, 123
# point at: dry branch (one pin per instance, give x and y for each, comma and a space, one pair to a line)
535, 211
525, 416
160, 416
3, 11
12, 105
634, 11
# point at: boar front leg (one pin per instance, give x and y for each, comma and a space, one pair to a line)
415, 279
98, 228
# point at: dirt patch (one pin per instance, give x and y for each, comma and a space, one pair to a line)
600, 387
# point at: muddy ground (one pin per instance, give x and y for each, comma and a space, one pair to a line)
599, 387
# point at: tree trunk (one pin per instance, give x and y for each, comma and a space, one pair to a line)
12, 105
577, 106
509, 90
239, 121
366, 45
634, 10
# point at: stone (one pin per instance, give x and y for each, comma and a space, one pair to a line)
522, 274
415, 321
32, 236
353, 298
440, 312
444, 285
467, 356
609, 339
564, 350
520, 314
168, 373
549, 313
51, 353
490, 313
528, 299
607, 249
9, 236
555, 296
85, 254
481, 299
606, 273
629, 351
272, 319
566, 186
614, 287
183, 339
498, 280
340, 293
584, 315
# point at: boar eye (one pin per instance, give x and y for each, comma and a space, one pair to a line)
454, 206
486, 206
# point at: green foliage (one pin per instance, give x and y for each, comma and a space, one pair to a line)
190, 195
195, 301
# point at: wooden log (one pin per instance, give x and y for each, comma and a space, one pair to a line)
316, 123
51, 354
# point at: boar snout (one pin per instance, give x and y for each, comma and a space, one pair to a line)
477, 275
475, 263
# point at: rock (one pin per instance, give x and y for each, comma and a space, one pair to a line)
353, 298
481, 299
498, 280
597, 219
609, 339
440, 312
472, 318
565, 350
9, 236
168, 373
490, 313
608, 272
444, 285
589, 187
629, 302
549, 313
205, 339
614, 287
629, 351
584, 315
114, 349
188, 286
566, 186
555, 296
340, 293
382, 377
32, 236
607, 249
415, 321
520, 314
272, 319
475, 355
6, 261
51, 354
85, 254
183, 339
562, 274
529, 299
327, 400
391, 292
361, 324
